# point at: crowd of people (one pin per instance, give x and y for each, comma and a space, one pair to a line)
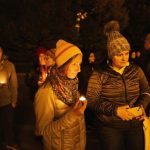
117, 95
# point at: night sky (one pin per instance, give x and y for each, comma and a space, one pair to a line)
27, 24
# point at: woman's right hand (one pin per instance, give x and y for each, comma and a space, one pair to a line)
80, 107
124, 114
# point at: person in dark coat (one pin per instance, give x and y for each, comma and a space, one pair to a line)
119, 94
37, 74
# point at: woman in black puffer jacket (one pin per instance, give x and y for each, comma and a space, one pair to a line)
114, 91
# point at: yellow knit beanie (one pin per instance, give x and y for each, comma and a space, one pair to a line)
65, 51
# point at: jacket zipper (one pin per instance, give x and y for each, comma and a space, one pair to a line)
125, 88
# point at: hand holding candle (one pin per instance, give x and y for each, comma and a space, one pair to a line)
80, 106
82, 98
3, 78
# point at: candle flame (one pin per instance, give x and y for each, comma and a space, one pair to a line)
2, 82
82, 98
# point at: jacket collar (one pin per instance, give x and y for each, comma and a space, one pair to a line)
120, 71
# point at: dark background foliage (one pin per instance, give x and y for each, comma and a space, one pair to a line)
27, 24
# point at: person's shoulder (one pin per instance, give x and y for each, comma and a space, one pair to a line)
45, 85
9, 63
134, 68
45, 92
98, 73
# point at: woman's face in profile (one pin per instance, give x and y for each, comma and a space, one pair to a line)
74, 67
42, 58
91, 58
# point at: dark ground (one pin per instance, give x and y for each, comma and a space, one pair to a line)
24, 122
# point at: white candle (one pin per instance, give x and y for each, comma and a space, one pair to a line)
82, 98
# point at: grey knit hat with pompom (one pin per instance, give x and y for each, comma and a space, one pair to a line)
116, 42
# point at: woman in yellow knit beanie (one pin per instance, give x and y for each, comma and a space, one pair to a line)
59, 113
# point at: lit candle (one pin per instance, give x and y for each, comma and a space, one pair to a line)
3, 77
2, 82
82, 98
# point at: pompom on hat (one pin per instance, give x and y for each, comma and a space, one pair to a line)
64, 51
116, 42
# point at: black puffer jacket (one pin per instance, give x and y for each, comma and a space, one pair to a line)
108, 89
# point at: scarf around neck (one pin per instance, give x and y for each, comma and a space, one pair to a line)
66, 89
